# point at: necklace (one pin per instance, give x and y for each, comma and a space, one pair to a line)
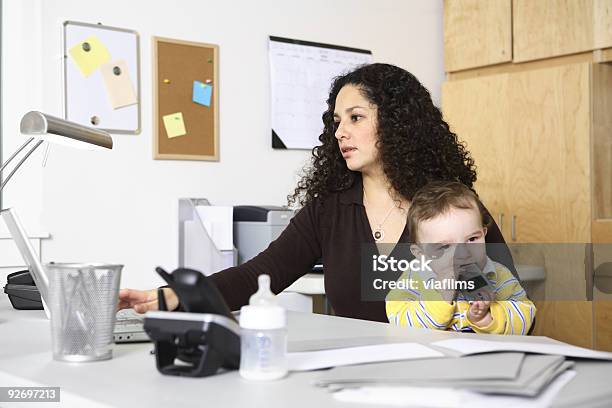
379, 232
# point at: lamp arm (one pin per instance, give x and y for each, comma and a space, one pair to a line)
23, 159
23, 146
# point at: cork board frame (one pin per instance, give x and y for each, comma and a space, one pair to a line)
176, 65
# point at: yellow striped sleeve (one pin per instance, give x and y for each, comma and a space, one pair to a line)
405, 307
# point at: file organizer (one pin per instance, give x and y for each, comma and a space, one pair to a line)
196, 248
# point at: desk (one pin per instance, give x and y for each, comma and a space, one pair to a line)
130, 379
309, 284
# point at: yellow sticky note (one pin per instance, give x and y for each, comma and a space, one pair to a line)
174, 124
88, 55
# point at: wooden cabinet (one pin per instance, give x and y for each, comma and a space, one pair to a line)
529, 133
487, 135
532, 134
477, 33
535, 109
568, 321
548, 150
549, 28
480, 33
603, 324
602, 295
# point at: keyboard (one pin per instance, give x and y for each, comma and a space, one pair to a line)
129, 327
128, 317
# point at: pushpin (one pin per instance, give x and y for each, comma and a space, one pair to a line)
208, 81
210, 60
116, 70
86, 47
166, 81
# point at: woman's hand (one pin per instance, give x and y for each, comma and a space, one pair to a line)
144, 300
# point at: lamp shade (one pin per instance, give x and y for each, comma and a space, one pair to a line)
41, 125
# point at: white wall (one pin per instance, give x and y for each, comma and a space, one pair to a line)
120, 206
22, 70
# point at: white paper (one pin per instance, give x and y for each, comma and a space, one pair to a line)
300, 79
473, 346
218, 221
448, 397
314, 360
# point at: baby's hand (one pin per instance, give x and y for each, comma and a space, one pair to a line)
479, 314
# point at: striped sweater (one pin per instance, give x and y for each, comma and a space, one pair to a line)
512, 311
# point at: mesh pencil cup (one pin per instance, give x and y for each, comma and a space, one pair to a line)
83, 303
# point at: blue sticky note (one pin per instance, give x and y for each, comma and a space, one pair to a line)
202, 93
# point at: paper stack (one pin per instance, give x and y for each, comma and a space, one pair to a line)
488, 373
449, 381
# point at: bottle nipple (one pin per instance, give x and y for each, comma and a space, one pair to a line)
263, 296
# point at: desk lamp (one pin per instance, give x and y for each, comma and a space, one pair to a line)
45, 127
41, 127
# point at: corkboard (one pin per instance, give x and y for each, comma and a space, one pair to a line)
176, 65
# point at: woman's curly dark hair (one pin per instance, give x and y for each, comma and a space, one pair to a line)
415, 144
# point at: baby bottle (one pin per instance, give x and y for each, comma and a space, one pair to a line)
263, 354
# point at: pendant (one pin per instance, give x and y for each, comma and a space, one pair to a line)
378, 234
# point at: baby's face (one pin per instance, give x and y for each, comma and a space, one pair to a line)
453, 239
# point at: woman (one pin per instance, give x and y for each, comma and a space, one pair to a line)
383, 139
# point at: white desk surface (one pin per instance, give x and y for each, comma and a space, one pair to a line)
309, 284
131, 379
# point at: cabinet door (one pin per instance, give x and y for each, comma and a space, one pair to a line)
550, 187
571, 322
477, 33
603, 325
478, 112
548, 28
529, 135
549, 181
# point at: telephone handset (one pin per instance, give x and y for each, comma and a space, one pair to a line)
196, 292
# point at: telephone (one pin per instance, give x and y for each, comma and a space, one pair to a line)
204, 336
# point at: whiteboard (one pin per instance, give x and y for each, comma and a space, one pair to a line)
301, 73
86, 99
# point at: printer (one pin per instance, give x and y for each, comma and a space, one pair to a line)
255, 227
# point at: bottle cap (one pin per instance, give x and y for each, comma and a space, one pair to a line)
262, 317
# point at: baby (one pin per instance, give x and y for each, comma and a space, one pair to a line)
447, 224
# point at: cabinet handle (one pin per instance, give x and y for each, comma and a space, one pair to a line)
513, 228
500, 221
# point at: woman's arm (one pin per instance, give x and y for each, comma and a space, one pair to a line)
286, 259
